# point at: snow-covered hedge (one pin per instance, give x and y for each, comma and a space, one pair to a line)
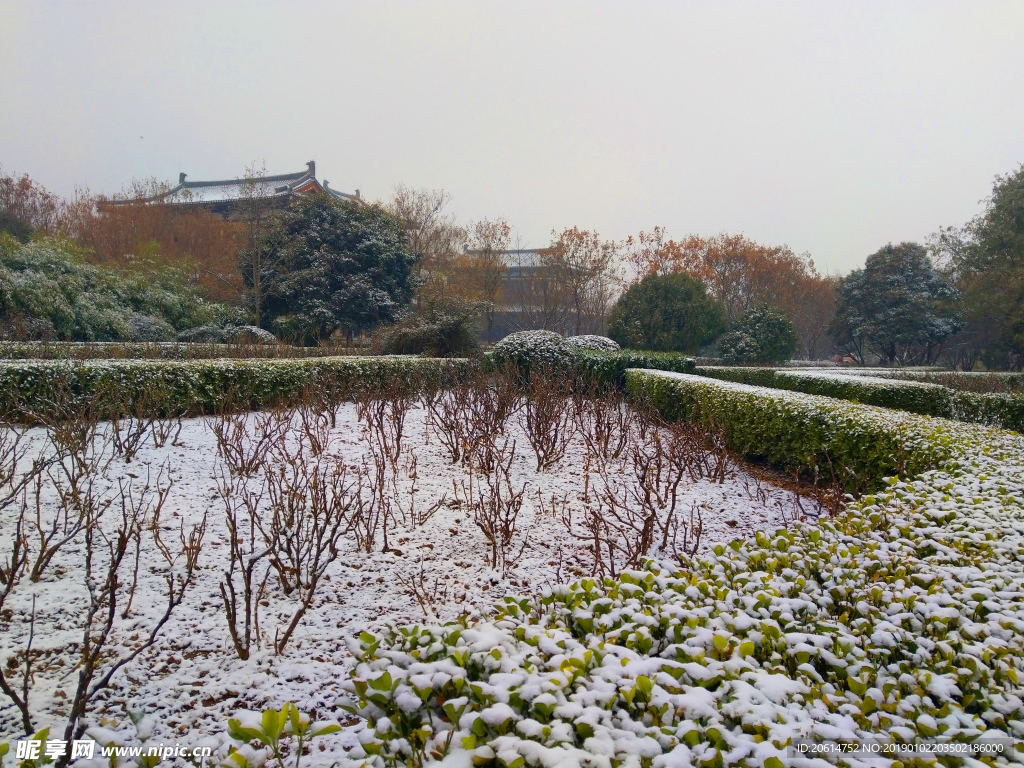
899, 620
594, 343
1002, 410
201, 386
965, 379
544, 350
816, 437
916, 396
162, 350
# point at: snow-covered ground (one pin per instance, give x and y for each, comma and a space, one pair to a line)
192, 680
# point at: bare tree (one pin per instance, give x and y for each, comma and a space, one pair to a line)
535, 291
586, 266
495, 504
485, 264
255, 204
104, 556
311, 508
434, 237
547, 416
241, 587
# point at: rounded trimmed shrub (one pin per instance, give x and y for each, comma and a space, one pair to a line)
532, 349
149, 328
591, 342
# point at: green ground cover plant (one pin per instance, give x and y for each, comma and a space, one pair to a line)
896, 621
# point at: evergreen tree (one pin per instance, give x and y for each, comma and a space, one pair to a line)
763, 334
897, 306
337, 264
670, 313
986, 259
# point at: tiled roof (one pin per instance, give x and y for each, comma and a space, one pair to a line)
229, 190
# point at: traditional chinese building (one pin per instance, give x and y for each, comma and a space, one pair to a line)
227, 197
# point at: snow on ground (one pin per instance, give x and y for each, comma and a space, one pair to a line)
192, 680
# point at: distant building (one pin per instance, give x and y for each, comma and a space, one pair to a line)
225, 197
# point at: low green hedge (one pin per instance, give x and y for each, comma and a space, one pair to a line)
157, 350
755, 377
913, 395
611, 367
999, 410
201, 386
971, 381
814, 437
899, 621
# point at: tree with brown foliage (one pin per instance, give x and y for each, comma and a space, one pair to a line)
483, 264
26, 207
586, 266
741, 274
433, 236
139, 235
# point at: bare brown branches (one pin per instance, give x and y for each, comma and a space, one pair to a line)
104, 558
547, 416
245, 440
495, 504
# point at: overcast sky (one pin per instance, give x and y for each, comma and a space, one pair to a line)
832, 127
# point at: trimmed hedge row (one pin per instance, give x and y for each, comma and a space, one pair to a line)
915, 396
611, 367
755, 377
899, 621
954, 379
1000, 410
814, 437
115, 388
157, 350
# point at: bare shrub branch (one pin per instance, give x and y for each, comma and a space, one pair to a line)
547, 416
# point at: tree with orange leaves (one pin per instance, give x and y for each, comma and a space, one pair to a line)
585, 265
741, 274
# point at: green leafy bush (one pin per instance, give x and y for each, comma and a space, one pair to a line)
444, 329
898, 621
114, 387
47, 288
763, 334
528, 350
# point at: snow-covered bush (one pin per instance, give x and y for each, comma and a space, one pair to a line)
48, 282
528, 350
592, 343
762, 334
149, 328
895, 622
227, 334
